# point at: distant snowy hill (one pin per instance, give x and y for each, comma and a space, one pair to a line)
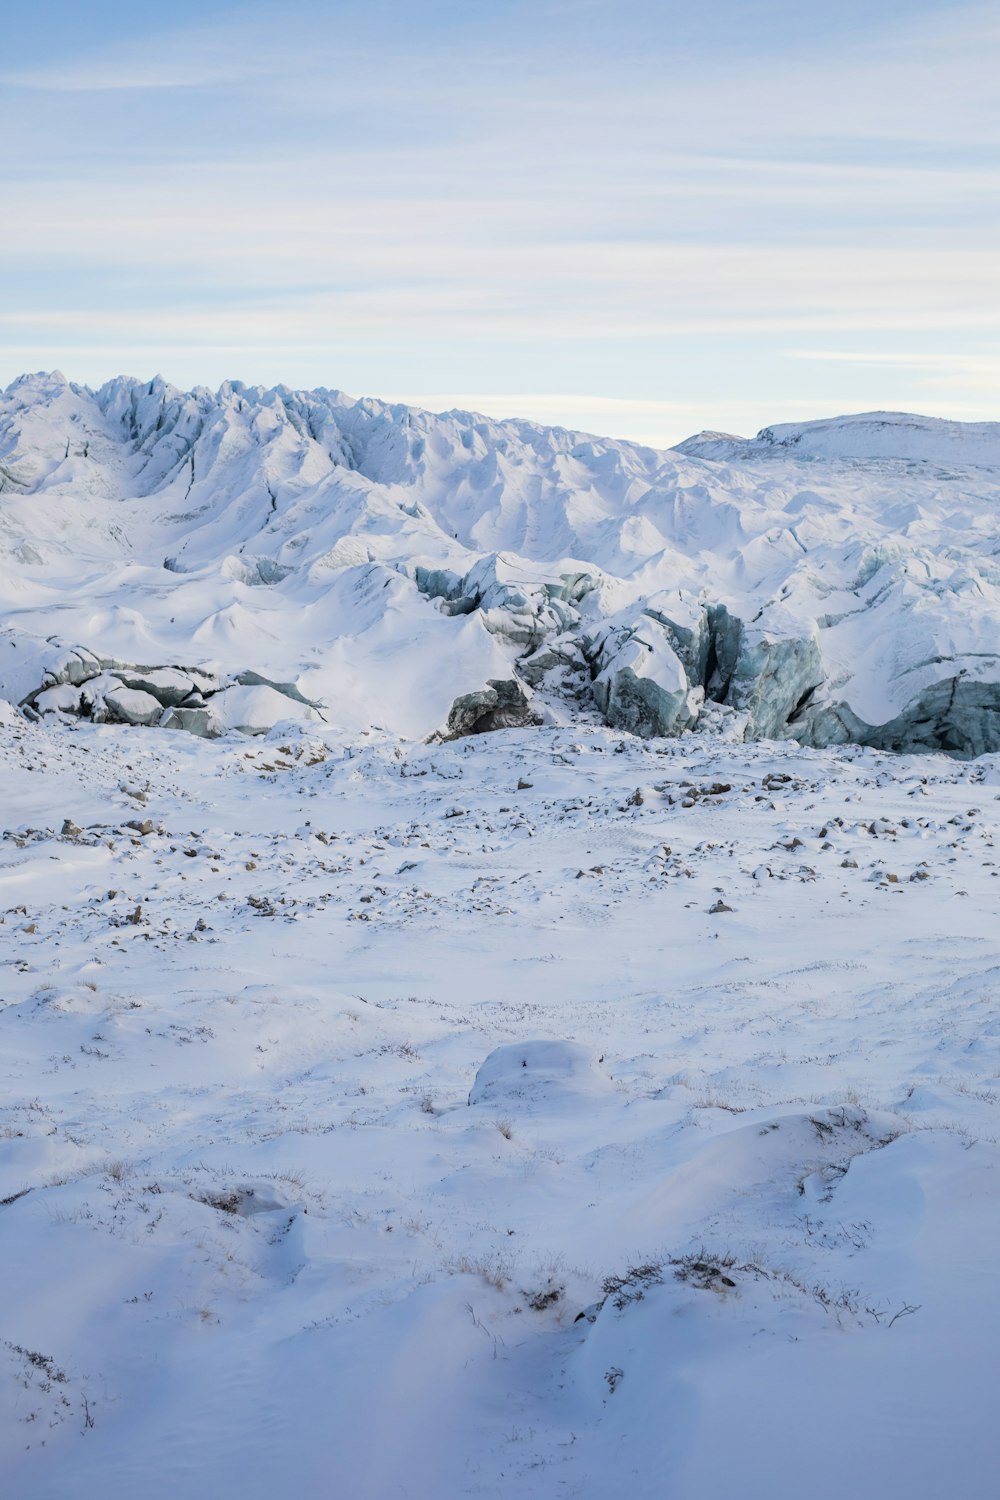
216, 561
873, 434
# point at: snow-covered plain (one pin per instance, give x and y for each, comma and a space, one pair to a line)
256, 1238
551, 1112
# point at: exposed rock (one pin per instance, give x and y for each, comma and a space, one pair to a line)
499, 705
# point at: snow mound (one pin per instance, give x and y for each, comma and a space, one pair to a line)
678, 1350
537, 1072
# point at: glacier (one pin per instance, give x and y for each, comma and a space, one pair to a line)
220, 561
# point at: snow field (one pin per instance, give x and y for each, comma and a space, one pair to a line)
735, 1237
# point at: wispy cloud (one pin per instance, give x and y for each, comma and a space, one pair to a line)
195, 57
987, 364
973, 377
499, 198
135, 73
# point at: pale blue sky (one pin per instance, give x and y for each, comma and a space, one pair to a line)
640, 219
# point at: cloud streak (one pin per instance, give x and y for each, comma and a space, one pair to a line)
497, 196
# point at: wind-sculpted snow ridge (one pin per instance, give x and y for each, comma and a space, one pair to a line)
216, 561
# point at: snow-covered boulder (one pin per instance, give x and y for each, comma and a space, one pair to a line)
131, 706
525, 1073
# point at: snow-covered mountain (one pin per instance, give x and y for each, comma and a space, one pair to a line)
228, 560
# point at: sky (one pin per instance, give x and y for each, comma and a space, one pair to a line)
640, 219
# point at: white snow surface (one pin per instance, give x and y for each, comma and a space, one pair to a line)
718, 1219
393, 1109
382, 562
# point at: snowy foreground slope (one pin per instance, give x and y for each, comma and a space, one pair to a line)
543, 1113
229, 560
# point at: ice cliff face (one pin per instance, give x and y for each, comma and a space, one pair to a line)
216, 561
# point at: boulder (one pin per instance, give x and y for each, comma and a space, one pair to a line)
501, 704
63, 699
130, 706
